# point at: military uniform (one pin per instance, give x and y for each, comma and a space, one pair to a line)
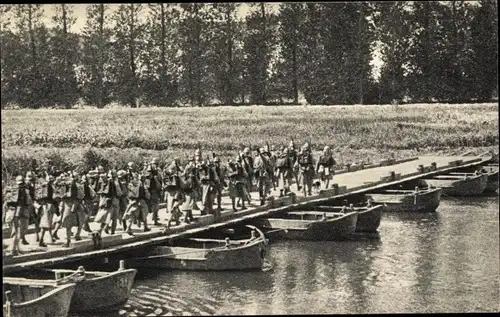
220, 182
46, 197
284, 171
190, 184
154, 183
325, 167
137, 208
208, 189
261, 168
108, 203
294, 157
17, 200
237, 186
306, 170
123, 199
173, 192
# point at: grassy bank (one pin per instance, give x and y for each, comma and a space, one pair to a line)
355, 132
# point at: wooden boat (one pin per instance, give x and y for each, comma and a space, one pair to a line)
459, 185
96, 292
397, 200
24, 298
368, 217
491, 171
311, 225
208, 254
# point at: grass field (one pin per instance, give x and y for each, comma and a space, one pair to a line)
354, 132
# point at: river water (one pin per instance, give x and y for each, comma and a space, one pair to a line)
446, 261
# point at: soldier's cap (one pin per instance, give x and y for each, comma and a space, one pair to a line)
19, 179
154, 161
121, 173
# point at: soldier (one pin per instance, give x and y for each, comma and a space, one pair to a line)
325, 167
34, 218
130, 171
173, 188
247, 163
294, 156
46, 199
188, 188
306, 169
284, 171
17, 201
72, 212
198, 162
237, 186
123, 199
91, 200
137, 208
88, 199
270, 170
220, 182
274, 157
107, 202
154, 183
261, 168
208, 188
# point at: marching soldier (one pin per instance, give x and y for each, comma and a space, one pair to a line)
89, 198
220, 182
32, 211
17, 201
189, 186
107, 202
123, 199
325, 167
173, 191
306, 169
237, 186
198, 162
270, 170
130, 171
247, 162
261, 169
72, 212
154, 182
294, 156
137, 208
273, 158
284, 171
47, 207
208, 188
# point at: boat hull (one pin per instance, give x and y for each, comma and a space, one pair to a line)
492, 185
249, 257
460, 187
55, 303
423, 201
368, 217
116, 286
369, 220
342, 228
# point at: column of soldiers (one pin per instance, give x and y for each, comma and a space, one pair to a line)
124, 198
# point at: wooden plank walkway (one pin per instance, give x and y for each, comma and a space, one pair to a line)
349, 182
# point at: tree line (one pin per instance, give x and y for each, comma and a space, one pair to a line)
205, 54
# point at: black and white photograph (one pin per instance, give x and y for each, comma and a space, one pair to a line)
250, 158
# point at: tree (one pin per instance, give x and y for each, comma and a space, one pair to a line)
394, 35
95, 76
259, 46
290, 36
484, 41
126, 47
30, 88
64, 49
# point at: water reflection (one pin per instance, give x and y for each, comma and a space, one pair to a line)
447, 261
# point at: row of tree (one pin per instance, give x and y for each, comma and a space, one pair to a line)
200, 54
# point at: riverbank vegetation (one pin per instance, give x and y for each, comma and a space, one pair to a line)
113, 137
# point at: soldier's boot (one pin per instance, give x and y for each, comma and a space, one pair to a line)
129, 227
124, 225
78, 233
41, 243
238, 204
219, 203
243, 205
281, 193
233, 203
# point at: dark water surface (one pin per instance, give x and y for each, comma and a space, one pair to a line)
447, 261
